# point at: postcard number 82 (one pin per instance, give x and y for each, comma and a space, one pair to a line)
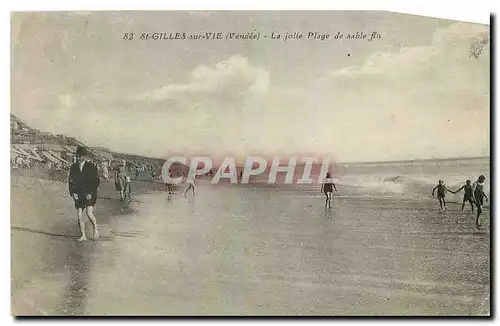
128, 36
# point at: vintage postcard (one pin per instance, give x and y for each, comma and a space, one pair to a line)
249, 163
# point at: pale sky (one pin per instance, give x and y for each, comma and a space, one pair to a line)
415, 93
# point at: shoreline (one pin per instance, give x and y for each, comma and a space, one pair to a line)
140, 187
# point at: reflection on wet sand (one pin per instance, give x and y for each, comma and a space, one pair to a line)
81, 257
79, 261
23, 229
51, 272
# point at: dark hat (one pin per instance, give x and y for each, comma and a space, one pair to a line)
81, 151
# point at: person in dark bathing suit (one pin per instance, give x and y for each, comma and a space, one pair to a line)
479, 196
170, 186
327, 187
468, 195
441, 191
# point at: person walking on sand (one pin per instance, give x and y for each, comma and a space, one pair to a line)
127, 191
120, 178
105, 172
468, 195
441, 193
327, 187
169, 185
83, 183
191, 181
479, 196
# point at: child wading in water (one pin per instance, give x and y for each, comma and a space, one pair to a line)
468, 195
479, 196
191, 181
441, 190
327, 187
170, 186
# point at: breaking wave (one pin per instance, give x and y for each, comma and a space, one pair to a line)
407, 185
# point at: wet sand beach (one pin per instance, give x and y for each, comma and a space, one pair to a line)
244, 250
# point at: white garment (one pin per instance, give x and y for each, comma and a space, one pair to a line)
82, 163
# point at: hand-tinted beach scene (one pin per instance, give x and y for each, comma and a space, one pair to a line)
400, 105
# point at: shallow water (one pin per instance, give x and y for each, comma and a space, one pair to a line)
413, 179
262, 251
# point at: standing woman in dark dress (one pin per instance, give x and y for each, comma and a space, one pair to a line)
479, 196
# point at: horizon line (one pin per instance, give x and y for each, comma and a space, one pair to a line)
356, 162
419, 159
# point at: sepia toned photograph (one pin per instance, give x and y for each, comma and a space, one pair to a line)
249, 163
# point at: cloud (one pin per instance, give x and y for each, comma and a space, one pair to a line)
226, 81
449, 47
425, 101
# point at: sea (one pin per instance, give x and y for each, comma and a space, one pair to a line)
405, 179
